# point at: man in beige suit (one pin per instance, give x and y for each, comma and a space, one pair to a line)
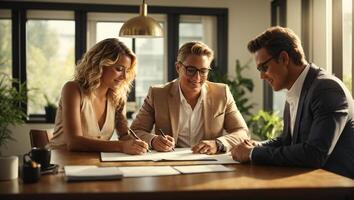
191, 110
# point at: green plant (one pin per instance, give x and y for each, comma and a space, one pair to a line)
11, 112
265, 125
50, 110
239, 87
49, 104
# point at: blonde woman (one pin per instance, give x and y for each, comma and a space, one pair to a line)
93, 104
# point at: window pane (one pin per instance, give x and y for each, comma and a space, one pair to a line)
151, 70
198, 28
111, 30
347, 43
50, 60
5, 47
190, 32
279, 98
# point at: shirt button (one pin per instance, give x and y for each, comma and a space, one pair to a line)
99, 137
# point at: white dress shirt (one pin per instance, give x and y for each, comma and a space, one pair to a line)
190, 124
293, 96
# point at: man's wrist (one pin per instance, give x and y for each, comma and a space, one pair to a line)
151, 140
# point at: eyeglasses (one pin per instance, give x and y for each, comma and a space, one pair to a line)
263, 66
192, 70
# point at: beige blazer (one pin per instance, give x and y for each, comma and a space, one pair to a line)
161, 107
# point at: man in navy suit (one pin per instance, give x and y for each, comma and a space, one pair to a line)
318, 116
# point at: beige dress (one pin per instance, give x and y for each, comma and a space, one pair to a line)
89, 123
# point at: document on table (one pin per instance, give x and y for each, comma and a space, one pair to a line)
91, 172
148, 171
191, 169
180, 154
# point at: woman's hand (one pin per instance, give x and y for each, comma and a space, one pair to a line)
160, 143
134, 147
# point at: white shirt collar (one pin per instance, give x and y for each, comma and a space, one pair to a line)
295, 90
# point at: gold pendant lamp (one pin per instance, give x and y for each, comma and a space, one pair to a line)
142, 26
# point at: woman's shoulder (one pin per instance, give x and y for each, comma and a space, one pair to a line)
71, 88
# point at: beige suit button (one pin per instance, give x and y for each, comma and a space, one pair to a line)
99, 137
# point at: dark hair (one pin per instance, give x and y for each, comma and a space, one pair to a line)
277, 39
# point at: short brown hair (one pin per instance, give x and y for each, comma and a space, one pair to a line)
277, 39
194, 48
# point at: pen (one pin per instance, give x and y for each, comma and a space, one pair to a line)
163, 135
136, 137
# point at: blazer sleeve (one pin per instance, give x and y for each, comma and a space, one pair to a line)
234, 124
329, 113
145, 119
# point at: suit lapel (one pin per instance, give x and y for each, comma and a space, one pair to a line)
286, 131
173, 104
312, 73
207, 112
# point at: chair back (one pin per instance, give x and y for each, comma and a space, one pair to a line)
40, 137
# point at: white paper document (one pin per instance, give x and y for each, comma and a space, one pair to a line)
190, 169
148, 171
91, 172
180, 154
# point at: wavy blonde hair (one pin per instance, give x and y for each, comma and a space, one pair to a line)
89, 69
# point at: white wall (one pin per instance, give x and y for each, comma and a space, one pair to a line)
22, 143
247, 19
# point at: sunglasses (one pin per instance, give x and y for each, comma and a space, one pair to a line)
263, 66
192, 71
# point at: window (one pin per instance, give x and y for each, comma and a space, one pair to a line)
275, 101
198, 28
5, 42
347, 44
50, 57
151, 66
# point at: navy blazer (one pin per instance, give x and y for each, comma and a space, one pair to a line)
324, 115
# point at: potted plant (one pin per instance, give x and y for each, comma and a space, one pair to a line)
50, 110
265, 125
239, 87
11, 113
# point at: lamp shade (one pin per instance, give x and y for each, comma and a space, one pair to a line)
141, 26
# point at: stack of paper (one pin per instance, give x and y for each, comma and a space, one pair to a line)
148, 171
180, 154
191, 169
91, 172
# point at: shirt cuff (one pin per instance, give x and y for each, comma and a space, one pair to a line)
150, 142
250, 155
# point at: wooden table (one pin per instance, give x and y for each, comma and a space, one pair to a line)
246, 182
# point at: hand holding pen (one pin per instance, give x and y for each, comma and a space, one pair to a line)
135, 136
163, 142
